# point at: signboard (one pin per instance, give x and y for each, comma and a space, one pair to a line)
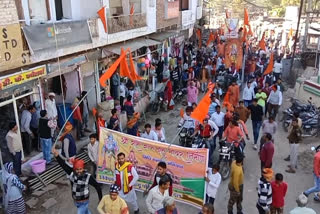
187, 166
46, 37
12, 54
232, 25
22, 77
233, 53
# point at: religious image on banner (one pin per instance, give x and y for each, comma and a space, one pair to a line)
233, 53
232, 26
186, 166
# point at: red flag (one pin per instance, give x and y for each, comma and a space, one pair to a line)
198, 32
102, 15
211, 38
270, 65
262, 43
131, 14
111, 70
202, 109
133, 73
246, 17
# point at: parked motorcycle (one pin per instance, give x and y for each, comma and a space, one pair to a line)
310, 125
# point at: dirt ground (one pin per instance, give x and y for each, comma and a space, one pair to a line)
297, 183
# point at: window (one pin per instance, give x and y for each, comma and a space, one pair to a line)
38, 11
171, 9
184, 5
199, 3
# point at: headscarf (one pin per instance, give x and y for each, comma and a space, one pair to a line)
267, 173
133, 120
114, 188
67, 130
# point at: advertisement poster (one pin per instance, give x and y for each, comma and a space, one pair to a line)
186, 166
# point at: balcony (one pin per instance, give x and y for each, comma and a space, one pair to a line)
187, 19
126, 22
93, 26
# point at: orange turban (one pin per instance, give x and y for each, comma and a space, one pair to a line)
67, 129
78, 163
268, 173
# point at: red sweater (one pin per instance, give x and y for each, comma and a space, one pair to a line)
316, 164
266, 154
278, 193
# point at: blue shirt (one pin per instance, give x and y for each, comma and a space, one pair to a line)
212, 108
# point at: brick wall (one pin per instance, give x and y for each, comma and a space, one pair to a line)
8, 12
162, 22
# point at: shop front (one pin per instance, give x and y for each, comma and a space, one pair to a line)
17, 92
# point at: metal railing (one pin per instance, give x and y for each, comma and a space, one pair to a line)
126, 22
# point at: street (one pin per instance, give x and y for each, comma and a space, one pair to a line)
297, 183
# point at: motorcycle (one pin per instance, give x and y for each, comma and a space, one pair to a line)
310, 125
200, 142
157, 98
180, 94
227, 152
185, 137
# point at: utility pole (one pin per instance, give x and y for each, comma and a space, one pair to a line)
296, 37
306, 28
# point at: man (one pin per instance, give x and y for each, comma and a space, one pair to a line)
114, 122
295, 116
45, 136
161, 172
93, 150
125, 177
157, 194
280, 85
51, 109
248, 94
80, 181
69, 149
265, 191
316, 174
213, 180
15, 147
34, 125
274, 101
187, 122
213, 105
277, 69
262, 97
294, 137
149, 134
84, 107
269, 126
279, 191
256, 117
234, 92
25, 129
266, 153
112, 203
236, 186
242, 111
233, 132
175, 77
218, 118
115, 83
159, 130
302, 202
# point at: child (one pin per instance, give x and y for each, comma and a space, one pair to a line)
213, 183
279, 190
93, 148
114, 120
128, 107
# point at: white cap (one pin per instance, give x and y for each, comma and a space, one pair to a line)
51, 94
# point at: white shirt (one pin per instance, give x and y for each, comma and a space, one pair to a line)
214, 127
277, 68
151, 136
213, 185
155, 199
93, 151
122, 90
302, 210
131, 196
273, 94
248, 93
25, 121
218, 119
51, 108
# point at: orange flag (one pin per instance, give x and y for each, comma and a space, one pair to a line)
202, 109
262, 43
270, 66
131, 13
102, 15
226, 99
111, 70
250, 33
246, 17
199, 37
211, 38
124, 69
133, 74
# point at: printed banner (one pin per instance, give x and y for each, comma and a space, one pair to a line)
186, 166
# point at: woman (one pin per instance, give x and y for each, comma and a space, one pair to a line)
192, 94
132, 125
13, 200
169, 206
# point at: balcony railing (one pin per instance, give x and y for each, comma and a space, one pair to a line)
93, 26
126, 22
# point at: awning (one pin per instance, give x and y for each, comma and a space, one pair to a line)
162, 36
134, 44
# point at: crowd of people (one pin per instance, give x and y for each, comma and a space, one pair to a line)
227, 119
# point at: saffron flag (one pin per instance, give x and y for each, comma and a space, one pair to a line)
226, 100
211, 38
133, 74
131, 14
198, 32
262, 43
202, 109
102, 15
246, 17
270, 65
107, 75
124, 69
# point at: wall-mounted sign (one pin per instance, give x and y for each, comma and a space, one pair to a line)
22, 77
12, 54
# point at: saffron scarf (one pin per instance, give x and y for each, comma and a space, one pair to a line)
124, 168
